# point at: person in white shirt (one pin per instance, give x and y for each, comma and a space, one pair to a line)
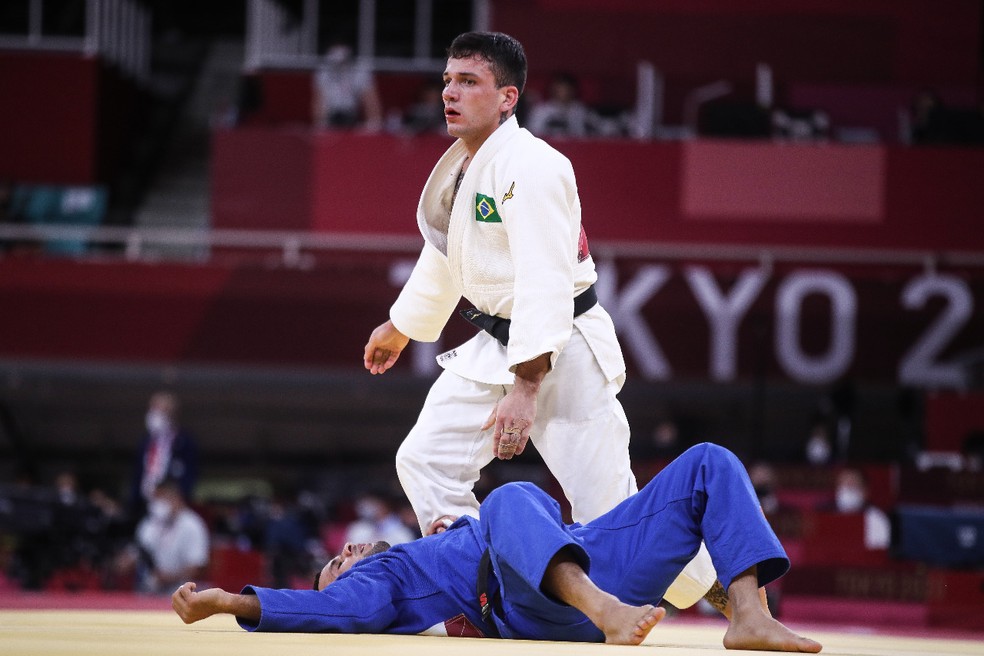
376, 522
344, 93
851, 496
172, 543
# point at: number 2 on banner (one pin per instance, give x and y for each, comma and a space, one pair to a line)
920, 365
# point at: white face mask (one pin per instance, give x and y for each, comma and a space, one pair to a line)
818, 451
849, 499
157, 422
159, 509
338, 54
367, 509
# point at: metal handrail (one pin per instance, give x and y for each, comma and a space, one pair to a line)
117, 30
274, 41
292, 243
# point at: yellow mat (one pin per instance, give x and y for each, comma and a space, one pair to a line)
119, 633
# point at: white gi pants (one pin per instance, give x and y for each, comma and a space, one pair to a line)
580, 431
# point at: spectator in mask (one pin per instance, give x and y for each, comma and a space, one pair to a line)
171, 546
377, 521
819, 448
67, 488
167, 450
851, 496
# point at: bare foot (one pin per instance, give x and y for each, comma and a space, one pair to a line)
629, 625
763, 633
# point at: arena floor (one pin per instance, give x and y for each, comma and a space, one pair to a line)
28, 629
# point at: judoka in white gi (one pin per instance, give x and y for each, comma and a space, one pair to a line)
501, 220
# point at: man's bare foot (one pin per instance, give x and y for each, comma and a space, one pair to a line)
761, 632
629, 625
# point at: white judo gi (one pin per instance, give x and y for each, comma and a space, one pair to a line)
513, 246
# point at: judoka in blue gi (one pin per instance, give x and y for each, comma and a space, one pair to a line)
542, 579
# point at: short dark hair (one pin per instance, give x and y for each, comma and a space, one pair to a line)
505, 55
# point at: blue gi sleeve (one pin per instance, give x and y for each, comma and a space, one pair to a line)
359, 603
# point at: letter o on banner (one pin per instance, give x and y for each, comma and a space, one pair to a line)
824, 367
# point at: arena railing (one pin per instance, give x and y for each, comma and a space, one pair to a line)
117, 30
276, 37
295, 248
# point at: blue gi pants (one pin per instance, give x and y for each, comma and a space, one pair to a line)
635, 550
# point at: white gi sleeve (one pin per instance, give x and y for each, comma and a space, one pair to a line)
543, 226
427, 299
693, 582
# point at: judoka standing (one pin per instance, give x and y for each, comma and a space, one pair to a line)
501, 220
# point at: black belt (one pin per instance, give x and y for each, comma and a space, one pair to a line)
499, 327
485, 600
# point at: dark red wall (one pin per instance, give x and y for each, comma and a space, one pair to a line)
64, 118
832, 49
903, 46
862, 41
889, 197
48, 117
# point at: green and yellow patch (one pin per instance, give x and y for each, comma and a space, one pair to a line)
485, 209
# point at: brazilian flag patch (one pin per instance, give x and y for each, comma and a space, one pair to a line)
485, 209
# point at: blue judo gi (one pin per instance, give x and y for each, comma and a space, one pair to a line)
634, 552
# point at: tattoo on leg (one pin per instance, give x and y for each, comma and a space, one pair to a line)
717, 596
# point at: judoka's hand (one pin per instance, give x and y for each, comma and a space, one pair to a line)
512, 418
441, 524
384, 348
191, 605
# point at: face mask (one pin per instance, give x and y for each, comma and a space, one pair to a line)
817, 451
67, 496
157, 422
366, 509
159, 509
849, 499
338, 54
